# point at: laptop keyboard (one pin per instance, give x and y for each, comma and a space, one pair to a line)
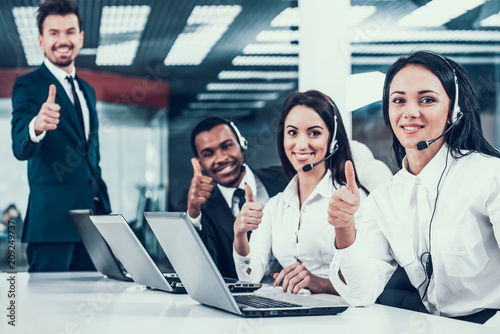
260, 302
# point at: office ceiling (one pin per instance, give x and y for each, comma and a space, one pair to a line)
198, 90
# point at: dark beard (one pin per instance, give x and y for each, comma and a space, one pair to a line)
64, 63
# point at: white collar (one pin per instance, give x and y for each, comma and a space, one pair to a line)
324, 188
429, 176
59, 73
249, 178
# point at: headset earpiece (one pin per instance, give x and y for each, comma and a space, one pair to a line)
334, 146
243, 142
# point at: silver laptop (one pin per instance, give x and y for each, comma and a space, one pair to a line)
136, 260
101, 255
203, 281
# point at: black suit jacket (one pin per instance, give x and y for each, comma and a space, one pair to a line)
62, 165
217, 220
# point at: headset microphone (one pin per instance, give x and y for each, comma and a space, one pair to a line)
307, 168
334, 146
422, 145
456, 116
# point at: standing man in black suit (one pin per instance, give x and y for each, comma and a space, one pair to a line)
54, 127
217, 187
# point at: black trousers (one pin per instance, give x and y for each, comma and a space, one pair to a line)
479, 317
58, 256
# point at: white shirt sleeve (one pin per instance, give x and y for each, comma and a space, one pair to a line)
493, 205
251, 268
196, 221
366, 265
34, 138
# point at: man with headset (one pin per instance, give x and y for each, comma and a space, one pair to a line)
217, 192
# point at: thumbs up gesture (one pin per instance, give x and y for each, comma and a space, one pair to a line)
200, 190
48, 116
250, 215
342, 207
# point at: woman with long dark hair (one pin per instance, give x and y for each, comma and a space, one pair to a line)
293, 227
439, 217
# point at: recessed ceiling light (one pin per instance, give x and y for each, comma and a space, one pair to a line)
199, 113
288, 17
491, 21
278, 36
266, 75
265, 61
435, 13
120, 34
116, 54
250, 86
437, 47
204, 27
27, 27
236, 96
436, 36
226, 105
271, 48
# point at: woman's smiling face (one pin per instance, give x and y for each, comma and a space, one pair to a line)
418, 106
306, 137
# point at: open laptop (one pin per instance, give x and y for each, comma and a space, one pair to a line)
101, 255
136, 260
203, 281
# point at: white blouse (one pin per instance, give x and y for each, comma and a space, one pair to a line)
292, 234
465, 235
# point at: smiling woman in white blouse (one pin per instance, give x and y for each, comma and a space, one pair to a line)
439, 217
293, 226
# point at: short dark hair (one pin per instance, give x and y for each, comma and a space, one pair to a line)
324, 106
208, 124
468, 131
57, 7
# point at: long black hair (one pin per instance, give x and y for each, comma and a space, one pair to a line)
324, 106
467, 134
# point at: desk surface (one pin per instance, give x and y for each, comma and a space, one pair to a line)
86, 302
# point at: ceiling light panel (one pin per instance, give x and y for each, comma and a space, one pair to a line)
236, 96
287, 18
226, 105
491, 21
438, 12
436, 36
265, 61
265, 75
215, 86
439, 48
271, 48
27, 27
278, 36
204, 28
120, 34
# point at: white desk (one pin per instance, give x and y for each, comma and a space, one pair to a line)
84, 302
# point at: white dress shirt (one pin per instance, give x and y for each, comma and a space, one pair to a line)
465, 234
291, 233
61, 77
258, 189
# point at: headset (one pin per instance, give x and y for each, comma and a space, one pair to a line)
241, 140
334, 145
456, 115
